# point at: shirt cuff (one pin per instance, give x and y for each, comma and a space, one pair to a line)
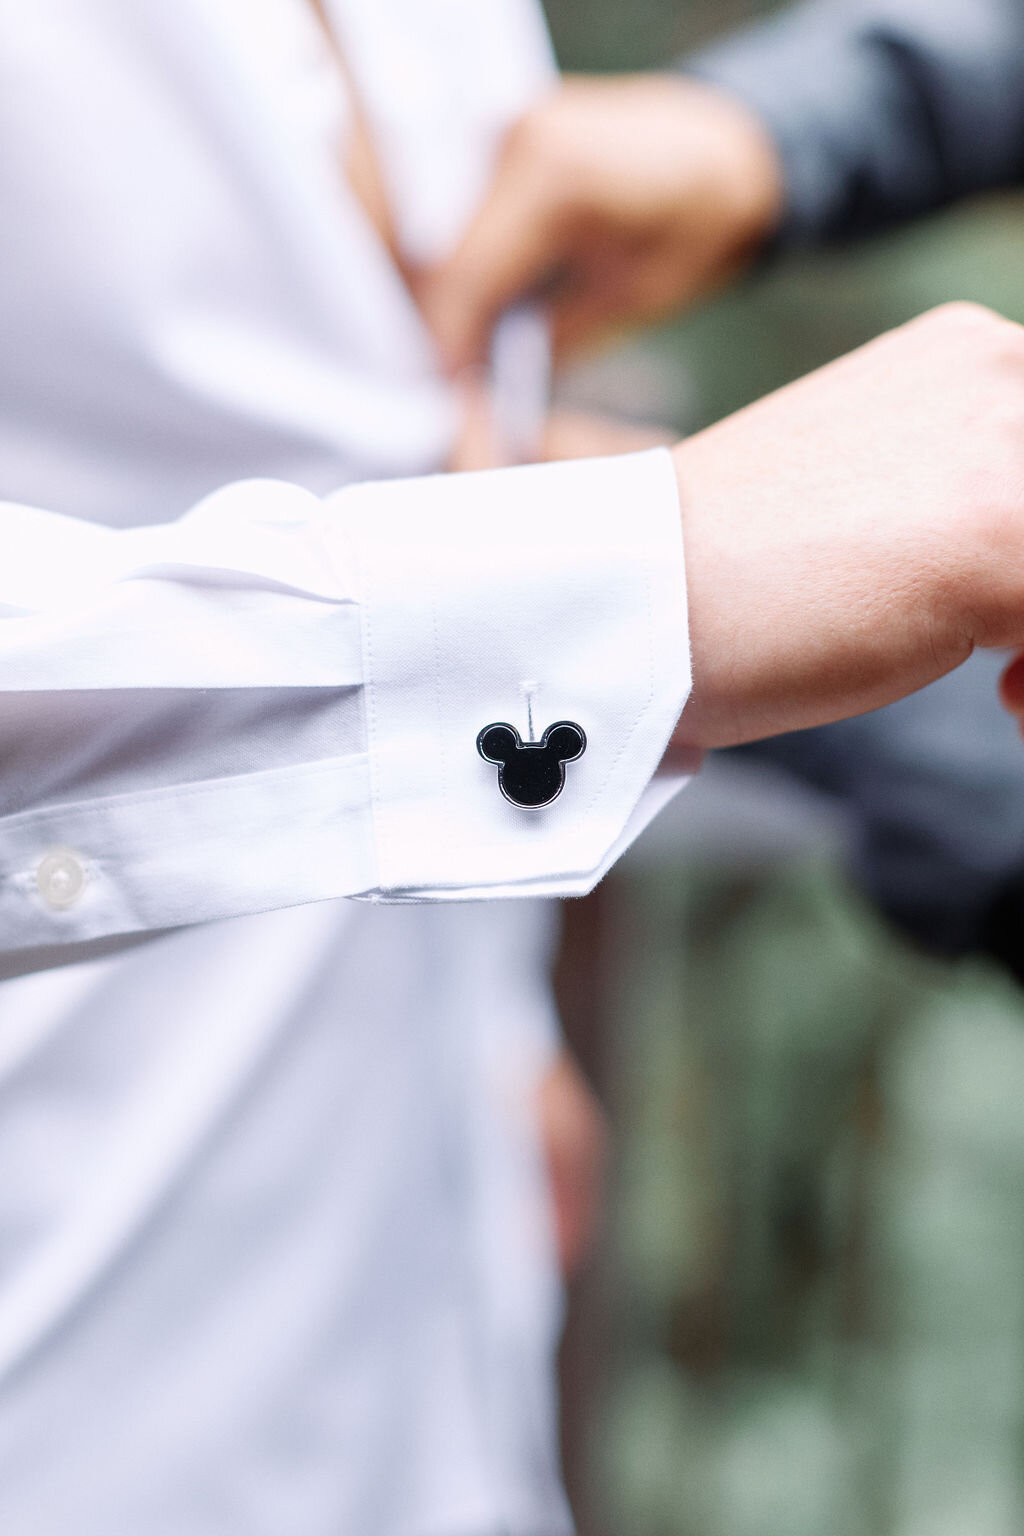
560, 584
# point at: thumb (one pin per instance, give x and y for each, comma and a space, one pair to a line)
1011, 687
512, 246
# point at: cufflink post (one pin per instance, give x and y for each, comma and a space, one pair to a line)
529, 691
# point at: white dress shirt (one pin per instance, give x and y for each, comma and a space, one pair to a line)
272, 1250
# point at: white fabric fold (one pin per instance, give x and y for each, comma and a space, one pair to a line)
430, 605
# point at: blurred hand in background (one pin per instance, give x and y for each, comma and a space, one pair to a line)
619, 200
574, 1143
568, 434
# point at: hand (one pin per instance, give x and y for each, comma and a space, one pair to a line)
574, 1144
854, 536
573, 434
628, 197
1011, 689
567, 434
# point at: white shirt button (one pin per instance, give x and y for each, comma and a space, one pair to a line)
60, 878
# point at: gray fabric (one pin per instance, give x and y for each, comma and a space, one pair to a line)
881, 108
936, 787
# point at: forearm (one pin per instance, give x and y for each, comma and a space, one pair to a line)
880, 109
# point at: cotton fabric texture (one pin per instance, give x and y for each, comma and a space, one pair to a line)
274, 1245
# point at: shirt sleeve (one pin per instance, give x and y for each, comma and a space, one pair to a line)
881, 109
277, 698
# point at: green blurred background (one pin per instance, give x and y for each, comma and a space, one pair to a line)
806, 1317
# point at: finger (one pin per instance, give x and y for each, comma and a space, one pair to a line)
585, 306
516, 240
582, 323
477, 444
617, 287
1011, 686
574, 1144
614, 286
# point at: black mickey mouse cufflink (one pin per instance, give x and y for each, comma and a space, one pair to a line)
531, 773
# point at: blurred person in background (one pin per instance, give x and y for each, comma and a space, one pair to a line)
623, 199
277, 1250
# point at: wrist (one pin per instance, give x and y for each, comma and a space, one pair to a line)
710, 718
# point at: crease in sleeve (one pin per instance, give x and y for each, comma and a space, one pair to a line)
177, 845
190, 853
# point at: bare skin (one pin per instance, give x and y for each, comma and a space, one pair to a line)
621, 199
568, 435
1012, 689
853, 536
